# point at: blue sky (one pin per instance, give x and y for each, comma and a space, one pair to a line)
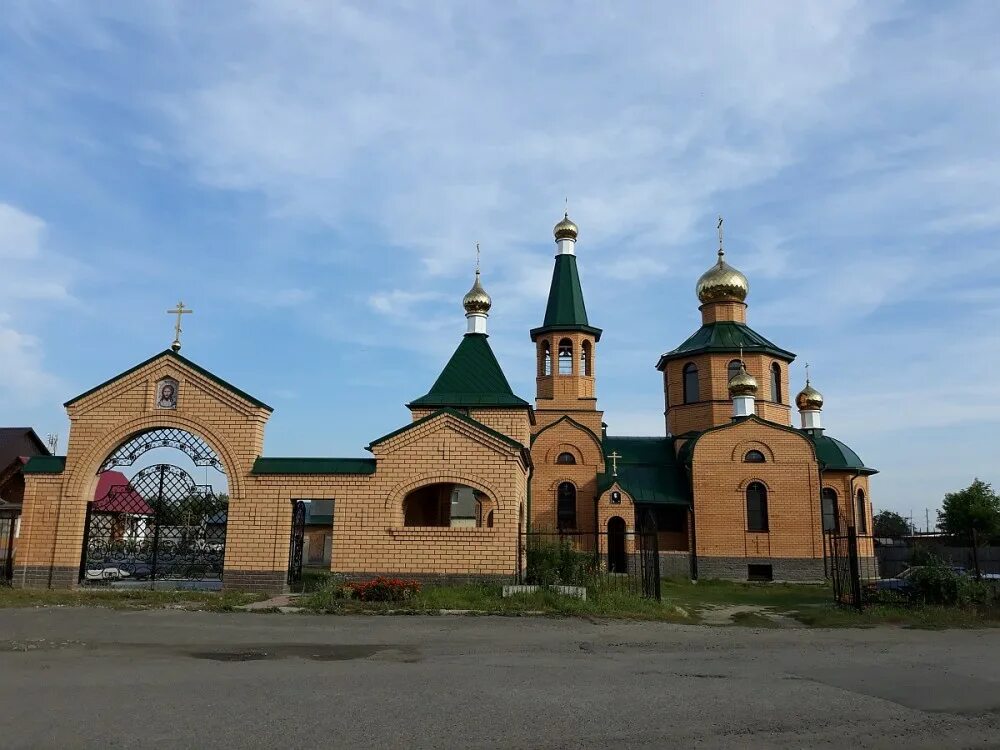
311, 178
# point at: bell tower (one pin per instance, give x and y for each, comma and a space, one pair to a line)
566, 343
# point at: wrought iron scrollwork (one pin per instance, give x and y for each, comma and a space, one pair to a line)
197, 450
159, 526
296, 542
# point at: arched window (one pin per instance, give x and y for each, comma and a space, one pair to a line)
754, 457
756, 507
545, 359
565, 458
444, 504
585, 359
565, 357
690, 383
733, 369
566, 506
862, 513
776, 383
831, 517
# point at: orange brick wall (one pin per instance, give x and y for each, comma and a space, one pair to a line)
720, 478
715, 406
555, 437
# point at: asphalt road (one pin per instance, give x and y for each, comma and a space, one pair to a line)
74, 678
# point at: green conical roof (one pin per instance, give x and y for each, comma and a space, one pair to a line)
472, 377
566, 310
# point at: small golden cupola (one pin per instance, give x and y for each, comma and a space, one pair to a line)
810, 403
477, 304
565, 229
722, 282
743, 391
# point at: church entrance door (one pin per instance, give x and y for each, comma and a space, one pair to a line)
617, 560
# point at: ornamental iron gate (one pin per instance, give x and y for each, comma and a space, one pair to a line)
161, 526
296, 542
8, 525
605, 561
648, 547
845, 569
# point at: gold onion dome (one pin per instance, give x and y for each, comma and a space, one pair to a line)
722, 283
809, 399
565, 229
476, 299
743, 383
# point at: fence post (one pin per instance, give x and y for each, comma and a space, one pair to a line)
975, 555
517, 574
852, 551
656, 563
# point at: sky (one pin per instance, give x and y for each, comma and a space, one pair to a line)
311, 179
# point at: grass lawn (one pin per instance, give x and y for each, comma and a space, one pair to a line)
487, 598
125, 599
758, 605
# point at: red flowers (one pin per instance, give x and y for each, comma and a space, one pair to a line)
384, 589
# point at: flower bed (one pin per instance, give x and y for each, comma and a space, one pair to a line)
384, 589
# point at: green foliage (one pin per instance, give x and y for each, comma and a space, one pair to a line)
976, 508
891, 525
923, 555
557, 563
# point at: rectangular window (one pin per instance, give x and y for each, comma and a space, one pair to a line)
760, 573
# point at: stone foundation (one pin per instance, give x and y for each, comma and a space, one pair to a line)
675, 565
255, 581
804, 569
45, 577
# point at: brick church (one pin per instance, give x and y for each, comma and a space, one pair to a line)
733, 488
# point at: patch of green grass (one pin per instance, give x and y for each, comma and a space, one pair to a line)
780, 596
125, 599
753, 620
488, 598
918, 616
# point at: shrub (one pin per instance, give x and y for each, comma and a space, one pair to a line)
384, 589
553, 563
937, 584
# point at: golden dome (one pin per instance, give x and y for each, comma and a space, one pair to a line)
565, 229
722, 283
809, 399
476, 299
742, 383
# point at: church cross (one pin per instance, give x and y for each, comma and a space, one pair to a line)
719, 227
178, 311
614, 456
807, 373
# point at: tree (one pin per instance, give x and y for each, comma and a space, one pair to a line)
891, 525
976, 508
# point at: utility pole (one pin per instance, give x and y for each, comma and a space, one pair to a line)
927, 520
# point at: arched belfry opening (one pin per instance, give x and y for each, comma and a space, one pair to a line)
158, 514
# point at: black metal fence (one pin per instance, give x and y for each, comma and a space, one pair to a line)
8, 525
895, 556
606, 562
853, 567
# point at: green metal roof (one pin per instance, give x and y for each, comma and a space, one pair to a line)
455, 413
566, 310
647, 470
835, 455
264, 466
45, 465
725, 336
472, 377
197, 368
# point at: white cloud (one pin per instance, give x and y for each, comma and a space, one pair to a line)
21, 234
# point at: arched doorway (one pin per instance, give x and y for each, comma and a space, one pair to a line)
617, 560
447, 504
161, 520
